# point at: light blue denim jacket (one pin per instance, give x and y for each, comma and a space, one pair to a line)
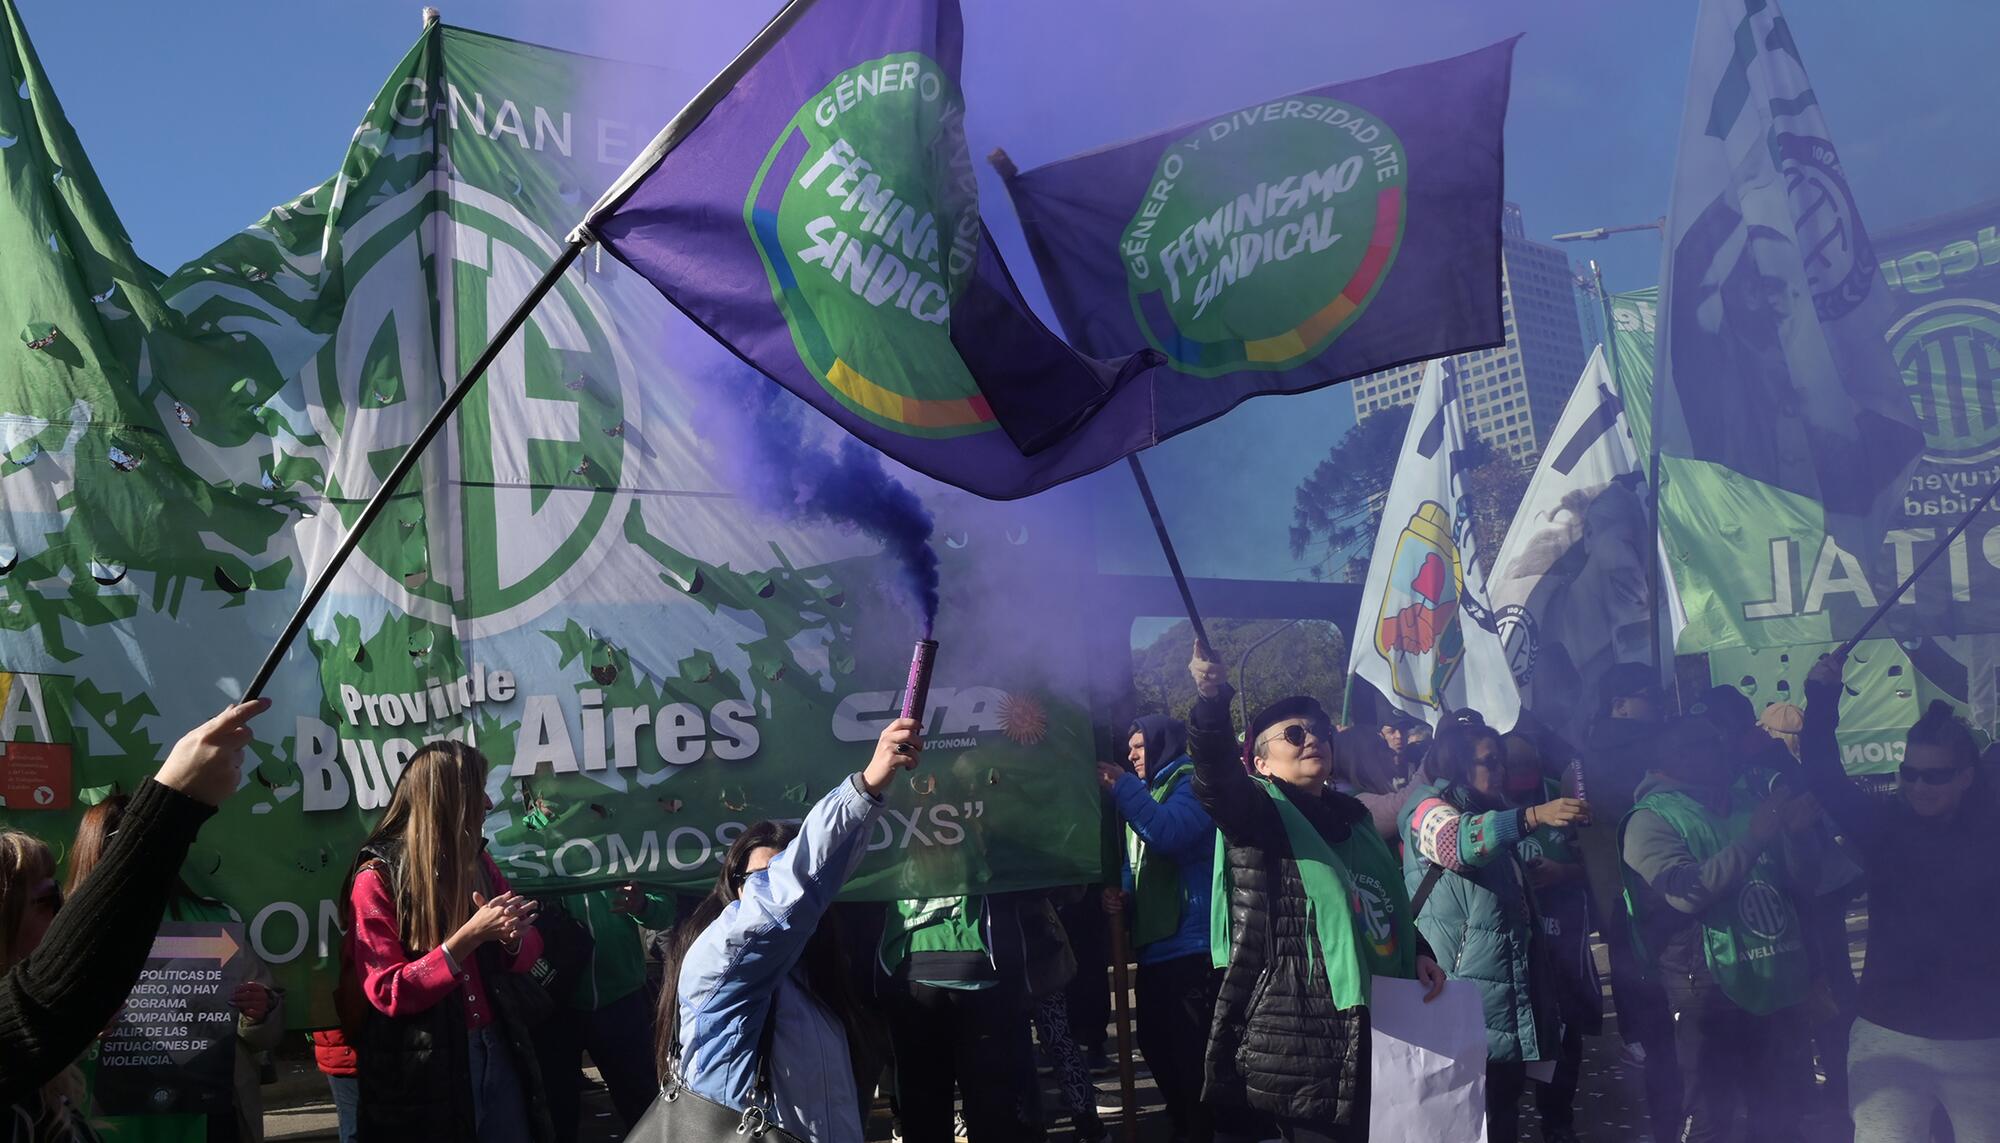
747, 960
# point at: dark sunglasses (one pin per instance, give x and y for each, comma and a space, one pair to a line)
1295, 733
1928, 775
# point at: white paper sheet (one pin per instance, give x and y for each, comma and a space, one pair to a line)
1429, 1069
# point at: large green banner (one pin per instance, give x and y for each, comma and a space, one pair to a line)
648, 662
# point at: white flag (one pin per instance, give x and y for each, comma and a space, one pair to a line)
1774, 372
1570, 585
1427, 639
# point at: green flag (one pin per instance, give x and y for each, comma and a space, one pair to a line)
648, 664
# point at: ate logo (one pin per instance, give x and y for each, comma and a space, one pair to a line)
504, 513
1949, 353
1763, 910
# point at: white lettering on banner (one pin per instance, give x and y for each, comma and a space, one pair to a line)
891, 271
1798, 589
1872, 753
688, 848
25, 707
952, 711
294, 933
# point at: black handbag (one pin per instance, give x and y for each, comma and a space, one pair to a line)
681, 1116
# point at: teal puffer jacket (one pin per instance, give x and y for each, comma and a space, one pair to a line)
1480, 919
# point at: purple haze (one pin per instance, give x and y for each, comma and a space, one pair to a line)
775, 460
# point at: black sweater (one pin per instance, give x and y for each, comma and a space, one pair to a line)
1933, 896
54, 1002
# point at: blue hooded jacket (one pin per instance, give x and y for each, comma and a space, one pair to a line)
1178, 828
746, 961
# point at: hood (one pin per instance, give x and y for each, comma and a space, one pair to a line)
1713, 796
1166, 740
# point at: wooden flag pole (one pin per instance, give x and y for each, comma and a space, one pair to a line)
1121, 983
1167, 547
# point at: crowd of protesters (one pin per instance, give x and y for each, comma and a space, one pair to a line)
1272, 874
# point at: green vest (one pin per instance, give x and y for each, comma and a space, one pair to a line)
930, 924
1751, 937
1355, 904
1156, 879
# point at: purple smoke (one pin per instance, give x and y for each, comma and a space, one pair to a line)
761, 436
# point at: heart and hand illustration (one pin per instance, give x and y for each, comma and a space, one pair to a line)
1415, 629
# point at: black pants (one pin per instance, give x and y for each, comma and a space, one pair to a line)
1556, 1100
1730, 1059
619, 1038
1089, 991
1645, 1019
976, 1041
1504, 1084
1292, 1132
1176, 1006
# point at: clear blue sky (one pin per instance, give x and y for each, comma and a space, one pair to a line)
201, 116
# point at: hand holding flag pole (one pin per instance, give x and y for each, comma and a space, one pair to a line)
670, 136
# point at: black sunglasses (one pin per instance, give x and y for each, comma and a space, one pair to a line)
1295, 733
1928, 775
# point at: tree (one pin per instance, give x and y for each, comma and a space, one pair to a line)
1337, 509
1497, 488
1309, 657
1338, 506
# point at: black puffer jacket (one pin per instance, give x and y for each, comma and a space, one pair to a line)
1278, 1045
413, 1070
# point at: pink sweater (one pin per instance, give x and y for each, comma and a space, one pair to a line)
398, 984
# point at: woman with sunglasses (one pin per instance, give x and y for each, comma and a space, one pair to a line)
69, 965
754, 969
1928, 1035
1461, 862
1290, 1034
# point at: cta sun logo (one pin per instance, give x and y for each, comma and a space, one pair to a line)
1023, 719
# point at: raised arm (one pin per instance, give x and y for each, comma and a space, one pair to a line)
58, 998
760, 936
1230, 795
1819, 756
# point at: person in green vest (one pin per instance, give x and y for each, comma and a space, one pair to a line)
1306, 910
1709, 886
956, 998
260, 1014
609, 1013
1562, 899
1169, 867
1463, 839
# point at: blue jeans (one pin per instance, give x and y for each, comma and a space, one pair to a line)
500, 1114
346, 1103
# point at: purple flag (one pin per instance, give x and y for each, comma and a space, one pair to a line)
1286, 245
822, 221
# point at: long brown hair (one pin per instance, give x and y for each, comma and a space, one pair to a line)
825, 961
435, 817
25, 862
100, 824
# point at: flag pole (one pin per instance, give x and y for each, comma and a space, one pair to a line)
1167, 546
407, 462
1654, 588
670, 136
1922, 567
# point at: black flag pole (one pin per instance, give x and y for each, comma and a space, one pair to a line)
1917, 572
670, 136
1167, 547
407, 462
